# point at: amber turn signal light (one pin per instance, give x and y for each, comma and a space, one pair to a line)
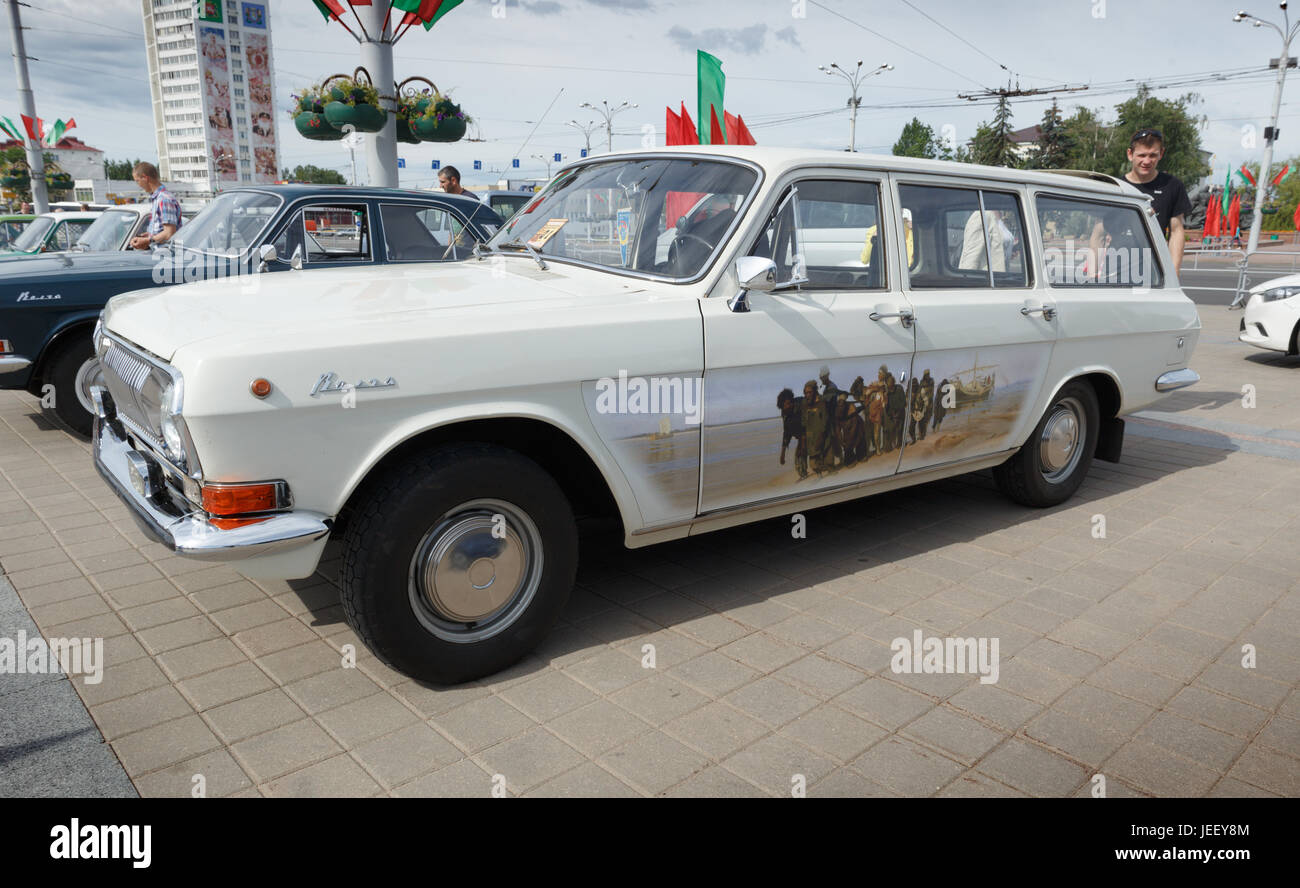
240, 499
260, 387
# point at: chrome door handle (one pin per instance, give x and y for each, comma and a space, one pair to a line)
904, 314
1047, 311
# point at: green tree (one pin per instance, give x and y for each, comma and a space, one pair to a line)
119, 169
917, 140
1087, 140
992, 143
316, 175
1053, 149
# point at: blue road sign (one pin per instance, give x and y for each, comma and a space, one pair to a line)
515, 163
557, 157
401, 163
478, 164
437, 164
584, 152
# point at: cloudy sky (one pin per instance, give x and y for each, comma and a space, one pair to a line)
506, 61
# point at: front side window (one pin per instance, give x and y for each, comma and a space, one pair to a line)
1093, 244
658, 216
826, 235
424, 234
33, 237
963, 238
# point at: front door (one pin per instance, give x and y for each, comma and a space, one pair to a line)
985, 328
803, 392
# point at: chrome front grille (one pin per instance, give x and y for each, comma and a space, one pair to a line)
129, 369
126, 375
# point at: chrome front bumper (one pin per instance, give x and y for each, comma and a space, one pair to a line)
188, 532
14, 363
1176, 379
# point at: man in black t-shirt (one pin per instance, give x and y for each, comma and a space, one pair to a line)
1168, 196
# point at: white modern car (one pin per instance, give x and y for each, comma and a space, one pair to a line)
446, 423
1272, 315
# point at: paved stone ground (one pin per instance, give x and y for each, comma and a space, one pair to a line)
1119, 656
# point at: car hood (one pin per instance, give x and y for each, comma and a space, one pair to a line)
70, 263
324, 304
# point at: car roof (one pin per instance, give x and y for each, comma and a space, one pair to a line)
778, 161
293, 191
75, 217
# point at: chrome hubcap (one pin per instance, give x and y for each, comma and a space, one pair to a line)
476, 570
89, 374
1061, 444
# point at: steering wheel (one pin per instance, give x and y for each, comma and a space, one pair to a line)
681, 237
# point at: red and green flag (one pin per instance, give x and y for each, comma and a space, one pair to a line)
1227, 194
1246, 174
1282, 174
331, 9
35, 128
710, 89
426, 12
10, 128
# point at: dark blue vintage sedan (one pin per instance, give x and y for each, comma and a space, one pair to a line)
49, 304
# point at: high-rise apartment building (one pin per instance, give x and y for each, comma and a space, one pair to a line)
213, 94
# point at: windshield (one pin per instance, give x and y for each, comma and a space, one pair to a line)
108, 231
662, 216
34, 235
230, 224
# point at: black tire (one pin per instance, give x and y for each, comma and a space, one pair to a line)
445, 496
1038, 474
74, 358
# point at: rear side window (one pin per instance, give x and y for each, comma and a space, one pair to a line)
963, 238
1094, 244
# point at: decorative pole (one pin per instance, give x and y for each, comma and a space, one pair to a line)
35, 159
377, 58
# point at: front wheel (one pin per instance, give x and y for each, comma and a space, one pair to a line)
74, 369
458, 562
1050, 466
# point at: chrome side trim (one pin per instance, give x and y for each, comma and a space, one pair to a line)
1176, 379
14, 363
190, 533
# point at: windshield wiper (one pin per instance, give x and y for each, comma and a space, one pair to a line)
532, 251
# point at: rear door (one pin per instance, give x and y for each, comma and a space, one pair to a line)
985, 328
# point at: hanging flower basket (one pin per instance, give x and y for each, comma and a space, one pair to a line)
59, 181
364, 118
440, 120
17, 176
311, 125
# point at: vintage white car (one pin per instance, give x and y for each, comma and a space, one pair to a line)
447, 422
1272, 316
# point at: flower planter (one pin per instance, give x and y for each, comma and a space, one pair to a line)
18, 181
404, 133
59, 181
311, 125
364, 118
430, 129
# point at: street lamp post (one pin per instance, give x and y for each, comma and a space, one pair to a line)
854, 76
608, 113
546, 160
1286, 32
586, 130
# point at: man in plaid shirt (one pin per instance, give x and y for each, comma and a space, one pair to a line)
165, 213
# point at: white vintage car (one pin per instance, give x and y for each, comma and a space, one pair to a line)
1272, 316
447, 422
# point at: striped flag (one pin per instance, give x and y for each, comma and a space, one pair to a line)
426, 12
11, 128
35, 128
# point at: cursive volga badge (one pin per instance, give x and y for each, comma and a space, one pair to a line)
330, 382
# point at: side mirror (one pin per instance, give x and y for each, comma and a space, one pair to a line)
752, 273
266, 253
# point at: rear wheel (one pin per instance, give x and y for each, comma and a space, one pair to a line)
458, 562
73, 369
1050, 466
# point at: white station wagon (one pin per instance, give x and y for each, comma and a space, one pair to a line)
827, 326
